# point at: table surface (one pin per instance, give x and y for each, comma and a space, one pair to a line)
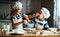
31, 35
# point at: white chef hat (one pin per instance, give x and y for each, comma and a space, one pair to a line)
46, 13
16, 5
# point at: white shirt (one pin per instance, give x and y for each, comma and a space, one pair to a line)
18, 19
41, 23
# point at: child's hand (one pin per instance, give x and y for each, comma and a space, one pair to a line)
26, 16
25, 21
37, 14
29, 21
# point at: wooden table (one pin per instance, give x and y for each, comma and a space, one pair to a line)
32, 35
29, 35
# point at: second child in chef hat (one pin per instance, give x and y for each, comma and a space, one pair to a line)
41, 22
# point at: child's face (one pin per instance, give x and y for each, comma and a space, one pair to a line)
41, 16
18, 11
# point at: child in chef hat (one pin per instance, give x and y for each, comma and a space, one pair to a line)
41, 22
16, 17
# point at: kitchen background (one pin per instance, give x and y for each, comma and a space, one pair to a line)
30, 6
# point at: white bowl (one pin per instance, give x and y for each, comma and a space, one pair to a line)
53, 29
39, 27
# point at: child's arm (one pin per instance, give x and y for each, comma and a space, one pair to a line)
27, 18
33, 16
18, 23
